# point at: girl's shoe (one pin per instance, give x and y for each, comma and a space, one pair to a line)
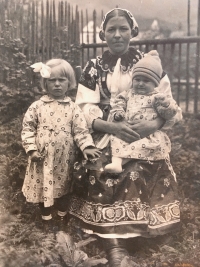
61, 222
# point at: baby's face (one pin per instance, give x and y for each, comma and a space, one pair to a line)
143, 85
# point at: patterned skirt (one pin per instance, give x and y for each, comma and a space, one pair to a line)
140, 201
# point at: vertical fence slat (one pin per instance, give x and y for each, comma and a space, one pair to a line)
102, 50
61, 24
33, 29
47, 30
54, 29
87, 33
36, 29
187, 77
94, 32
28, 31
196, 78
68, 27
50, 32
42, 30
82, 51
179, 71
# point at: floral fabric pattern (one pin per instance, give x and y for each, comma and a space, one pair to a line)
54, 128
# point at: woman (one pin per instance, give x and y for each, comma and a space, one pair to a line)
129, 204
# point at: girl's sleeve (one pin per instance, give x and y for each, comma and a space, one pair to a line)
29, 128
165, 87
80, 130
88, 95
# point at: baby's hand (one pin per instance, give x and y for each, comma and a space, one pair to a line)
91, 153
162, 100
35, 156
119, 116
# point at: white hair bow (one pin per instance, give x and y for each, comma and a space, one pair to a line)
44, 70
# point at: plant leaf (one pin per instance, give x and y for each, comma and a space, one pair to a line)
93, 262
83, 243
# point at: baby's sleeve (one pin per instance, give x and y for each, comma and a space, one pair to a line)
166, 108
29, 128
119, 104
165, 87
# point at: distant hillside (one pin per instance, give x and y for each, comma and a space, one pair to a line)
145, 24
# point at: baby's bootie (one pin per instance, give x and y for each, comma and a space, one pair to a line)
113, 168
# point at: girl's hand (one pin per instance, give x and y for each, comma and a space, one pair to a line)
145, 128
35, 156
91, 153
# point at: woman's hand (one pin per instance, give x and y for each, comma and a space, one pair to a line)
124, 132
120, 129
145, 128
89, 153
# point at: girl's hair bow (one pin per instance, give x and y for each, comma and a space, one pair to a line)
44, 70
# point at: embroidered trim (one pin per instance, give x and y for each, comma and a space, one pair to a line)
125, 212
108, 61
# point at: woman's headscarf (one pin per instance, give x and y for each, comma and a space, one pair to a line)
135, 29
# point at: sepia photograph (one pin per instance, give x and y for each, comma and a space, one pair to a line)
83, 182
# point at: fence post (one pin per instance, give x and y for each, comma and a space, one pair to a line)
94, 32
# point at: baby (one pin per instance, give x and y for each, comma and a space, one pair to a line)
142, 102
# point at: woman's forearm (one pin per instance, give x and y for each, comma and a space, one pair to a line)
104, 126
145, 128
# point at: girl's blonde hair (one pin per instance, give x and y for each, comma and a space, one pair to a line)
66, 70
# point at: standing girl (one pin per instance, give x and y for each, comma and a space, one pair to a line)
51, 127
128, 204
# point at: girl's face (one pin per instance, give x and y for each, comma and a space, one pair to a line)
118, 35
57, 84
143, 85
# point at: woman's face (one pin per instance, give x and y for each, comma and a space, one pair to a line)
118, 35
57, 84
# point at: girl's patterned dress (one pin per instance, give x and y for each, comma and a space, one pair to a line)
51, 127
143, 199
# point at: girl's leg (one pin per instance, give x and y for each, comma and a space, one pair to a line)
46, 217
62, 206
45, 211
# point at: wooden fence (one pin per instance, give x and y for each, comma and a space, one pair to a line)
48, 28
51, 28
